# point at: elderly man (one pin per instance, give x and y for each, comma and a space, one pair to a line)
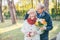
41, 13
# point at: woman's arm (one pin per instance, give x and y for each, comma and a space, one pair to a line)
23, 28
38, 31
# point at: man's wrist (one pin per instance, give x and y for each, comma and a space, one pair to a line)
45, 28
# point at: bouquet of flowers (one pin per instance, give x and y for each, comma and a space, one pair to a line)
40, 22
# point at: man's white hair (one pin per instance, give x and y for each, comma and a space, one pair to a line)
40, 5
31, 10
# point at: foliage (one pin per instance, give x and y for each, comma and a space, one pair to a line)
53, 12
23, 5
7, 15
21, 13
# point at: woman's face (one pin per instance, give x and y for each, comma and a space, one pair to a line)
32, 14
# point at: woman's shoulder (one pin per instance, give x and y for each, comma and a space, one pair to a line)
25, 21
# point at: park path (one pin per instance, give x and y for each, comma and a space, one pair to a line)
15, 26
19, 25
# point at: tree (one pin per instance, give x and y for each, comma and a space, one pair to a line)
46, 3
1, 16
32, 3
12, 11
39, 1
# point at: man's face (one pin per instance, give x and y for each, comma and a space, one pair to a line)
39, 10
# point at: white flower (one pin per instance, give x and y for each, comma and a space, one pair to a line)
41, 20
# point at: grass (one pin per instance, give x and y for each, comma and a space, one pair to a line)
55, 30
7, 23
12, 35
16, 34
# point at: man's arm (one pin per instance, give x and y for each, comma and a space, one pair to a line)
49, 23
26, 16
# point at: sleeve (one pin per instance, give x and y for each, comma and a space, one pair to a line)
23, 28
39, 32
26, 16
49, 23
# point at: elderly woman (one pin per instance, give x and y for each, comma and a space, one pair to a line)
41, 13
29, 29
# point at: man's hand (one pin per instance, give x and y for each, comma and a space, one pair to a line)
43, 21
43, 28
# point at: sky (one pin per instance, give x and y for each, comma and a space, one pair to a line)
4, 2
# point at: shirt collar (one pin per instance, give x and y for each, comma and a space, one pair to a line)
43, 14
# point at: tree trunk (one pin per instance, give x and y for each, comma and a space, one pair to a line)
12, 11
32, 3
39, 1
56, 9
1, 16
46, 3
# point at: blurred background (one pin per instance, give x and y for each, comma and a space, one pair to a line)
12, 14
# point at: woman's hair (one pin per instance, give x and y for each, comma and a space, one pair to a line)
32, 10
